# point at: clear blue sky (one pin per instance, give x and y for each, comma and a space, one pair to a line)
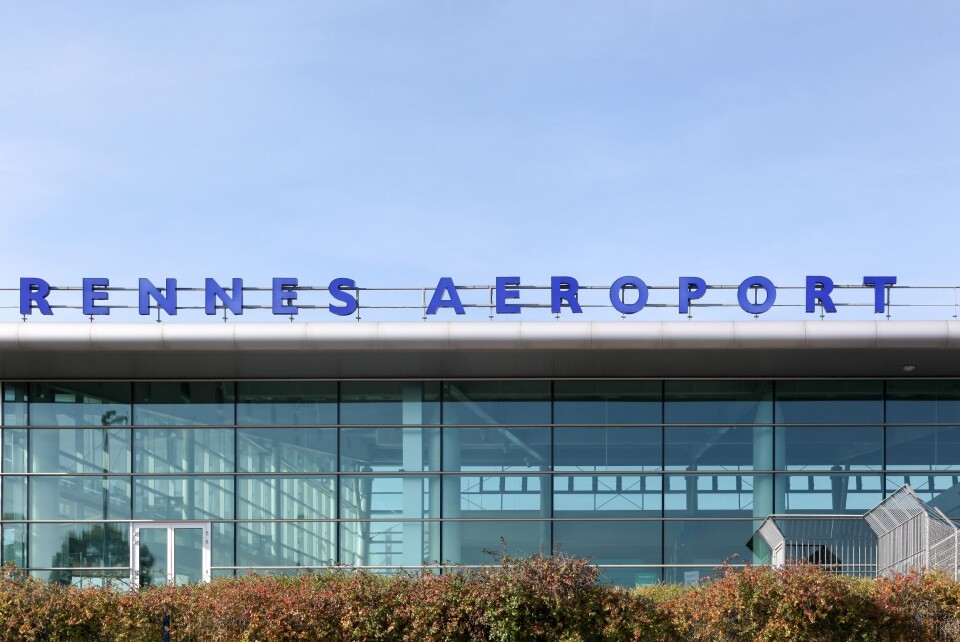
395, 143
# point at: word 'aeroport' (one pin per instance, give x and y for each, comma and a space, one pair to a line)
628, 295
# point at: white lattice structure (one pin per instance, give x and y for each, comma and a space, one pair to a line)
912, 535
840, 543
901, 533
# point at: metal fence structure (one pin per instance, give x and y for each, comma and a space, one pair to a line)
912, 535
899, 534
840, 543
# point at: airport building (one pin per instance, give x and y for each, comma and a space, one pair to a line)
155, 452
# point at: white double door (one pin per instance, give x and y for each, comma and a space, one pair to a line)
169, 553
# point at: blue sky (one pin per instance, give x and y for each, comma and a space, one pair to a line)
395, 143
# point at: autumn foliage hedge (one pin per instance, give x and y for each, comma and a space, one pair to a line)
536, 598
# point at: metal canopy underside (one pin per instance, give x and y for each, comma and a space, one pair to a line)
566, 349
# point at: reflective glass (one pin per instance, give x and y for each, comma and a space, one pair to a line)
278, 403
308, 497
187, 403
83, 545
485, 542
14, 544
693, 576
610, 495
492, 496
829, 402
14, 450
718, 402
389, 402
923, 401
827, 493
496, 448
297, 544
221, 546
14, 495
834, 448
607, 402
378, 543
183, 450
410, 449
610, 542
183, 498
718, 447
940, 491
15, 404
923, 448
81, 403
706, 543
153, 556
187, 556
601, 448
718, 495
396, 496
496, 402
286, 450
628, 577
85, 497
80, 450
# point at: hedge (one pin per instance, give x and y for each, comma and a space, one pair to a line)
540, 598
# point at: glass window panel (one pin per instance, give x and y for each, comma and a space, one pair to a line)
923, 401
940, 491
832, 448
706, 542
186, 403
629, 577
474, 543
496, 448
923, 447
183, 498
718, 447
272, 403
14, 450
81, 403
828, 494
607, 402
492, 496
611, 495
309, 497
286, 450
829, 402
718, 402
14, 544
411, 544
410, 449
85, 497
692, 576
183, 450
496, 402
80, 450
296, 544
718, 495
610, 542
606, 448
396, 496
79, 545
14, 497
15, 404
389, 402
221, 545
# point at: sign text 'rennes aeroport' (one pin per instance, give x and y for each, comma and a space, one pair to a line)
628, 295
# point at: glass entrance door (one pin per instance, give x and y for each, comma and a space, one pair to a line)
163, 554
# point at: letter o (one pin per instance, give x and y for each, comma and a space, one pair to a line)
756, 281
617, 288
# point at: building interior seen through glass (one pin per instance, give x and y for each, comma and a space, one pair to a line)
652, 480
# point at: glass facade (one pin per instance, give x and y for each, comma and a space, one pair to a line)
652, 480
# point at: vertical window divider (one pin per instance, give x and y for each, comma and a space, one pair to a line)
337, 480
551, 473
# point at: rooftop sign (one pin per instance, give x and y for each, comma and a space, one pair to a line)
627, 295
